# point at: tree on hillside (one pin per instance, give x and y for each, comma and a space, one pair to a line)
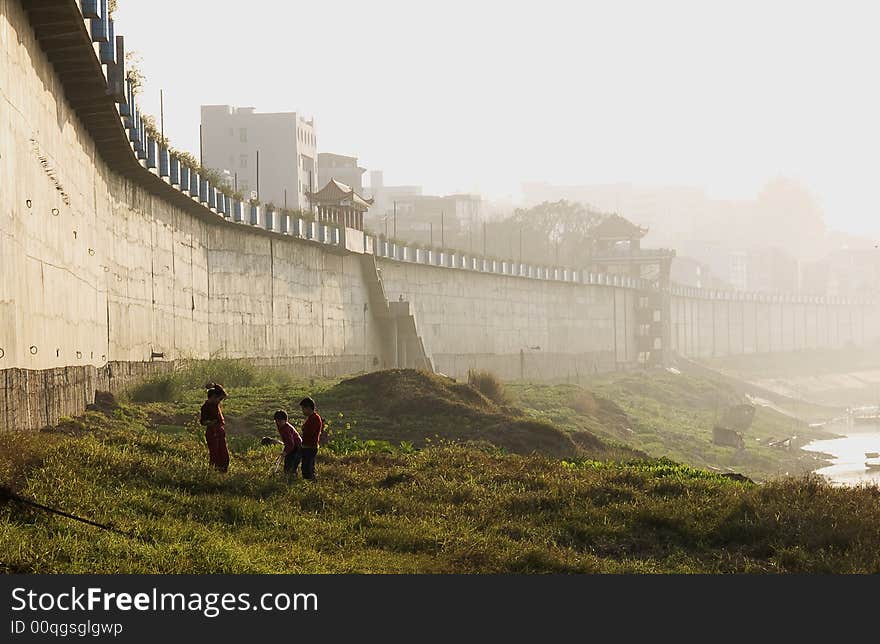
555, 232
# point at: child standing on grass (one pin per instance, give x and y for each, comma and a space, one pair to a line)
311, 437
215, 427
292, 443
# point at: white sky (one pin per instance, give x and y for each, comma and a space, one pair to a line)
481, 96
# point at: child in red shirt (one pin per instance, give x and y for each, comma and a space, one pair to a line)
311, 437
292, 443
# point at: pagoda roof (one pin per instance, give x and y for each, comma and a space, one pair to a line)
336, 193
617, 227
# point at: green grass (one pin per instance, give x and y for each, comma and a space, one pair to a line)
669, 415
445, 508
423, 474
396, 406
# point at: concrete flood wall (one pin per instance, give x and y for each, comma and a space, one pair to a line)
110, 273
516, 327
704, 328
101, 279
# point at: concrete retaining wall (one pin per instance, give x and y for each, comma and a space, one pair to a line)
516, 327
106, 279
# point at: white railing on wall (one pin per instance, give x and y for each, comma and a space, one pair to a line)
156, 158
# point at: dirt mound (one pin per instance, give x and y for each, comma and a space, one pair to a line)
408, 405
411, 391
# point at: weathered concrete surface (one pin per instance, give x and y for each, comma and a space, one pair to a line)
710, 328
96, 271
517, 328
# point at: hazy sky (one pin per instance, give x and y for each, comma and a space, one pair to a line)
481, 96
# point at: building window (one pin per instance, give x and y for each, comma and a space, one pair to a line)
243, 160
242, 135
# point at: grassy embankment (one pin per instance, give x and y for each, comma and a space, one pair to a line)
848, 377
669, 415
386, 505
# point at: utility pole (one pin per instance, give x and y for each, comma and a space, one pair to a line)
235, 182
285, 198
520, 244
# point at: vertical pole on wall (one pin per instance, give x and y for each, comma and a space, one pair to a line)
235, 182
520, 244
614, 323
258, 174
162, 113
395, 220
285, 198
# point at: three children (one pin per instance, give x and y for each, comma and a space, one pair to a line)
299, 449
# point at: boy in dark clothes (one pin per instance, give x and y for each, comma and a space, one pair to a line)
215, 427
311, 437
292, 443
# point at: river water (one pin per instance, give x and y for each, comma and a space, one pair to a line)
848, 464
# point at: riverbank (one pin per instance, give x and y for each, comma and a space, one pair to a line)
837, 378
384, 508
847, 379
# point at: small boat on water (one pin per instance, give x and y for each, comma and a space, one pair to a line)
872, 454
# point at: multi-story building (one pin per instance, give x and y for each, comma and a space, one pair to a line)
341, 168
271, 155
436, 220
848, 272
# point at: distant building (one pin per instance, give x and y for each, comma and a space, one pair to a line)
341, 168
772, 270
232, 137
848, 272
687, 271
430, 219
384, 195
768, 270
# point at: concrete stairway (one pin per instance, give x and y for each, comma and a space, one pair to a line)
402, 345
